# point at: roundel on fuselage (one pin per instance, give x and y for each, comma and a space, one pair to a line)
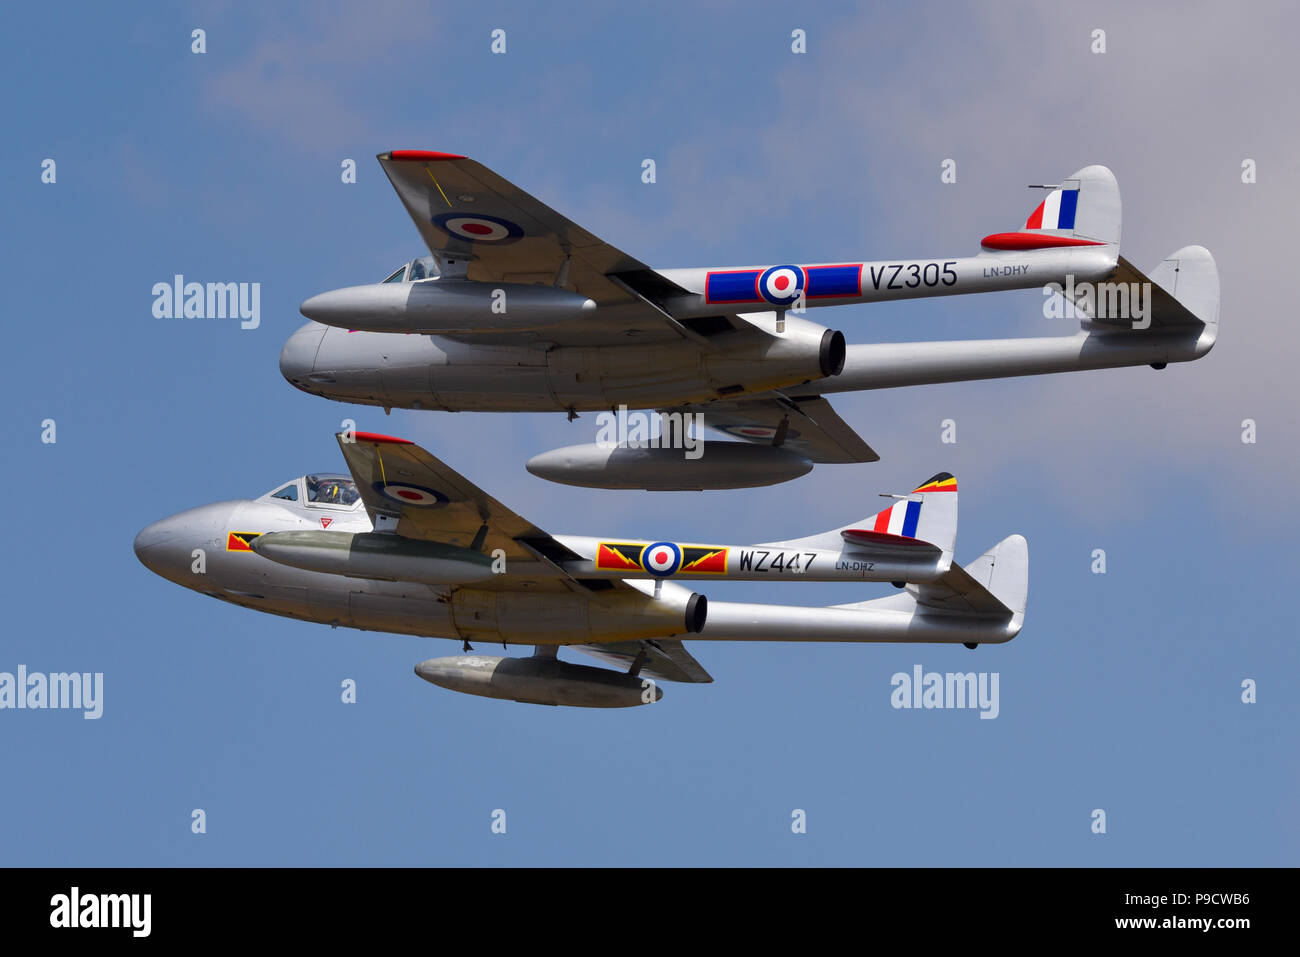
781, 285
662, 559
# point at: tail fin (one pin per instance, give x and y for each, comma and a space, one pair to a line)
1083, 210
920, 524
927, 514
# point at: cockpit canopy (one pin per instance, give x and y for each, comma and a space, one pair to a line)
331, 489
319, 488
416, 270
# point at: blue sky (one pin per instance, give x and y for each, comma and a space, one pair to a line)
1123, 690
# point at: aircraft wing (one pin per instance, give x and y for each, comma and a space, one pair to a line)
811, 426
462, 208
409, 491
667, 658
399, 481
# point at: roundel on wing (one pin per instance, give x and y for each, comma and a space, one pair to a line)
662, 559
478, 228
781, 285
407, 494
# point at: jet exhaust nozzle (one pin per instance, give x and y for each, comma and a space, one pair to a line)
833, 352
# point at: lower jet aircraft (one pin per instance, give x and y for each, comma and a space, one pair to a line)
519, 309
405, 544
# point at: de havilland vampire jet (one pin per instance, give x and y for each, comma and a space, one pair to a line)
518, 309
404, 544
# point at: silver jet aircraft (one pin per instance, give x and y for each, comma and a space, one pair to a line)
518, 309
404, 544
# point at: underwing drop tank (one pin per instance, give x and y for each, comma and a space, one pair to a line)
379, 556
539, 680
446, 306
712, 465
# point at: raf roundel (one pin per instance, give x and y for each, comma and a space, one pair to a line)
781, 285
757, 432
478, 228
662, 559
416, 495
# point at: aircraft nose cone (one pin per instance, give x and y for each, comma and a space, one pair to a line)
166, 547
159, 547
298, 357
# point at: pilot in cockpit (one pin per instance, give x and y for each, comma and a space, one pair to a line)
331, 490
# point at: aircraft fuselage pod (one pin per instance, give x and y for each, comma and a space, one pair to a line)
217, 550
425, 371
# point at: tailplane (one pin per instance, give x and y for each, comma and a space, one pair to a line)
983, 602
1180, 296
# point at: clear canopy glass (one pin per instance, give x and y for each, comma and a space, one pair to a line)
417, 269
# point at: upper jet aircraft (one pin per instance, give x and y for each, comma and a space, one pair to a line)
518, 309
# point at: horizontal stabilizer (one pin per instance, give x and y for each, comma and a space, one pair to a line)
990, 592
1180, 295
995, 585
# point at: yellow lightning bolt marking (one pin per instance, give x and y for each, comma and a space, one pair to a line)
703, 558
614, 551
436, 183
